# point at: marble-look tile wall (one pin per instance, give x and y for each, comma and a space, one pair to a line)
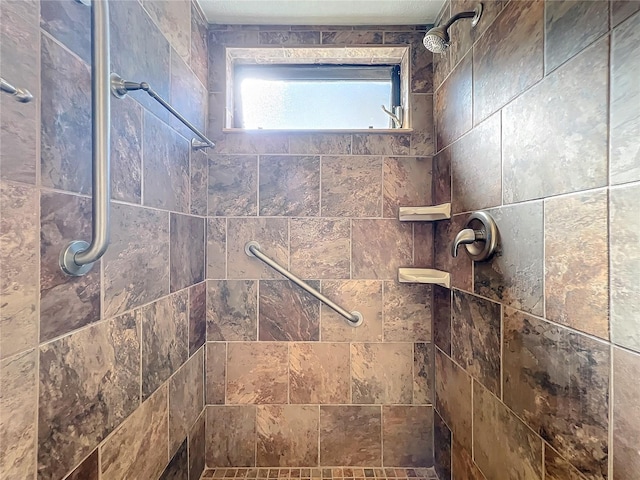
102, 376
537, 351
289, 383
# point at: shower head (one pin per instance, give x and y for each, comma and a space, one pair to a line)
437, 39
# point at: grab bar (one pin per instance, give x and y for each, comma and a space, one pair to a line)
77, 258
354, 318
22, 95
120, 87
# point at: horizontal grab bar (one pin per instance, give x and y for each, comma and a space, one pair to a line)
22, 95
120, 87
354, 318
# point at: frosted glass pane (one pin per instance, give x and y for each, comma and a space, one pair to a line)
301, 104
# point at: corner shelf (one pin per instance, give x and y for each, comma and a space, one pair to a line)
424, 275
425, 214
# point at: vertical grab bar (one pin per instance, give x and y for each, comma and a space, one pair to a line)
77, 258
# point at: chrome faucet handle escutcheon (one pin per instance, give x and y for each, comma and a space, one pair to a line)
480, 237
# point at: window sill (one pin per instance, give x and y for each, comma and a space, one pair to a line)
355, 130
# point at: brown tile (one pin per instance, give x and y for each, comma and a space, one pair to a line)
351, 186
199, 183
364, 296
379, 247
407, 312
188, 95
216, 247
423, 236
178, 467
441, 448
197, 444
557, 468
407, 183
351, 38
289, 38
381, 144
233, 185
502, 444
558, 382
503, 278
407, 436
319, 373
87, 470
197, 317
270, 233
460, 268
513, 43
453, 398
173, 19
186, 399
257, 373
232, 310
20, 55
166, 167
423, 374
280, 302
126, 148
476, 168
139, 448
462, 465
382, 373
287, 435
319, 248
442, 318
187, 242
165, 339
622, 9
441, 177
442, 62
253, 143
626, 423
89, 383
150, 60
66, 303
18, 415
136, 265
231, 436
289, 185
453, 105
421, 67
570, 26
475, 338
625, 93
577, 280
66, 119
575, 136
423, 141
320, 143
216, 367
624, 226
19, 268
199, 45
350, 435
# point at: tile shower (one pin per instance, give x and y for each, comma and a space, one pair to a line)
180, 354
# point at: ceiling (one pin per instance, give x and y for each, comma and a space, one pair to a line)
321, 12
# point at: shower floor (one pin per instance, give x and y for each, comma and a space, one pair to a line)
335, 473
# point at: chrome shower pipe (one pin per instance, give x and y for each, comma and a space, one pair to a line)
77, 258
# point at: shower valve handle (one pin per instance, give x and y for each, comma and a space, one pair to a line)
479, 236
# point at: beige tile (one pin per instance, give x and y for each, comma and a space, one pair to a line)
139, 448
350, 435
232, 310
319, 373
379, 247
626, 420
320, 248
231, 436
407, 312
257, 373
382, 373
287, 435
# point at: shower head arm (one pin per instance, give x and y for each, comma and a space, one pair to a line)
459, 16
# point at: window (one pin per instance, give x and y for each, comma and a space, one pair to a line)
317, 88
323, 96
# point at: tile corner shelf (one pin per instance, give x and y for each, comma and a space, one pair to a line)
424, 275
425, 214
